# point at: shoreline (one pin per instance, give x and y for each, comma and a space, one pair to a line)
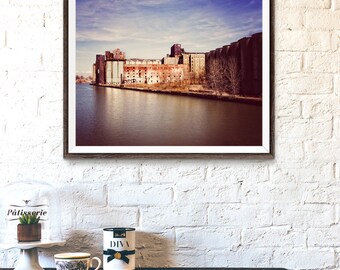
197, 94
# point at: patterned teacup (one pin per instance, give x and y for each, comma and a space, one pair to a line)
75, 261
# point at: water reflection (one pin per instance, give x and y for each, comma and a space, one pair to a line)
115, 117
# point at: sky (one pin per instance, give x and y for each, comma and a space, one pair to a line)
148, 28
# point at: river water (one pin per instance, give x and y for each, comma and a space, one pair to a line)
115, 117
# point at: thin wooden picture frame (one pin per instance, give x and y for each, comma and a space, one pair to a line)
265, 151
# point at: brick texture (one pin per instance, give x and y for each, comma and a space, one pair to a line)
191, 213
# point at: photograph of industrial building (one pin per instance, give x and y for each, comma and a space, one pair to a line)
235, 70
152, 77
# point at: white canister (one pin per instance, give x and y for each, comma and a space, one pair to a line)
119, 248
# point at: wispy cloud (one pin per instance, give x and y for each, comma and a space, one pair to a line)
147, 28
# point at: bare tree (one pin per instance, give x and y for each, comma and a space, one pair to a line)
233, 76
215, 76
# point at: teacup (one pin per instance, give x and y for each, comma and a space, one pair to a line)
75, 261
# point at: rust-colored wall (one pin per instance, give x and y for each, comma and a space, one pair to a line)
154, 73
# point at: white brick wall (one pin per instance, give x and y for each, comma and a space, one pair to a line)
243, 213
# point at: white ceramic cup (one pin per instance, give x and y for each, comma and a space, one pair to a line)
119, 248
75, 261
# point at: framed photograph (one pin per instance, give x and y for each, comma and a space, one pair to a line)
168, 78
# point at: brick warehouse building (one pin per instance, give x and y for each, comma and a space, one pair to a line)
109, 68
113, 69
195, 62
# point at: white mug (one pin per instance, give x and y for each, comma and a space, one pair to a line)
119, 248
75, 260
